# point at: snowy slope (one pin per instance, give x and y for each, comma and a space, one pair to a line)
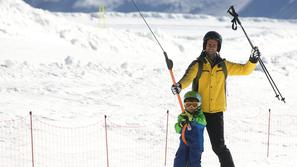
72, 69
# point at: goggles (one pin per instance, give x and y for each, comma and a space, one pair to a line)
193, 104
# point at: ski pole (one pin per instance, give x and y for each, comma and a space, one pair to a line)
236, 20
169, 62
269, 78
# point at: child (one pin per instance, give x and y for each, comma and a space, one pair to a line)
190, 155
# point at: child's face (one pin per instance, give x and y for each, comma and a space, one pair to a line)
191, 105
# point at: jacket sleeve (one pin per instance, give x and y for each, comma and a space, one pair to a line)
240, 69
189, 75
178, 128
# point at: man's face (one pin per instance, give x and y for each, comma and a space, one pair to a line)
211, 46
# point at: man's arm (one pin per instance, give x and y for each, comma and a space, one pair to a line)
189, 75
240, 69
247, 68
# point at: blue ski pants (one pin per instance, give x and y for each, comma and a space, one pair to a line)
190, 155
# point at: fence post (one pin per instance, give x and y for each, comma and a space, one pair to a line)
166, 137
32, 146
106, 143
102, 16
268, 140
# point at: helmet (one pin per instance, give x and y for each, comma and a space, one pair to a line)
192, 94
212, 35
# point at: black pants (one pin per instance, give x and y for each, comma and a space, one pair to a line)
215, 129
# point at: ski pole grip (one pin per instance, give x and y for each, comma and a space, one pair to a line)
169, 62
235, 19
230, 10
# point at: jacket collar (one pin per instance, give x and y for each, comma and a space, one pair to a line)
217, 61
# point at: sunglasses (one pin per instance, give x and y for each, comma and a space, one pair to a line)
193, 104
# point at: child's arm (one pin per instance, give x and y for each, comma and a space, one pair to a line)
178, 128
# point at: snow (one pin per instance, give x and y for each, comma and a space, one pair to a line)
72, 69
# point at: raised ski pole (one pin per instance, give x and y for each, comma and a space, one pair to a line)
236, 20
169, 64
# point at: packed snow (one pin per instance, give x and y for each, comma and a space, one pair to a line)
72, 69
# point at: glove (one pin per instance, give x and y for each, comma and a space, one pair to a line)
184, 118
181, 121
176, 89
255, 55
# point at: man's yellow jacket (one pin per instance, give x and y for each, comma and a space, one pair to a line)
212, 82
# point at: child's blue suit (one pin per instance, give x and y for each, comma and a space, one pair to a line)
190, 155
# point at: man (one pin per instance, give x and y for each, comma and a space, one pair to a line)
210, 83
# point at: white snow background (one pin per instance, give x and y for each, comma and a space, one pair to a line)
72, 69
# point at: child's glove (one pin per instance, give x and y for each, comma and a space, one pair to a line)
186, 117
182, 119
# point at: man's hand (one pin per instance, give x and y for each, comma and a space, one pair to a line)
176, 89
255, 55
